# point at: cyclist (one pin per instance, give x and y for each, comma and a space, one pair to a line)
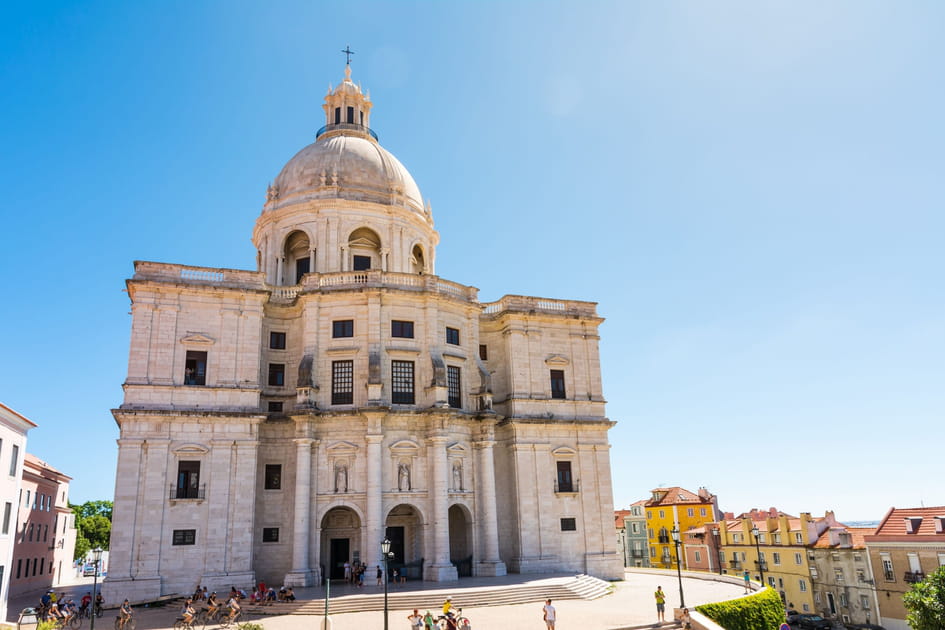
84, 605
188, 612
54, 613
69, 610
234, 606
447, 605
99, 602
124, 613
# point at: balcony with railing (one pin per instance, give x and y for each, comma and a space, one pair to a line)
182, 493
734, 564
567, 487
345, 127
911, 577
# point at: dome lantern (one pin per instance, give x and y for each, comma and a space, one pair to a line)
347, 109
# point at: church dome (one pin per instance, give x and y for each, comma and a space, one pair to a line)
347, 164
345, 161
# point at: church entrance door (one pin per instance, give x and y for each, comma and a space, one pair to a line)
340, 553
404, 529
461, 540
340, 540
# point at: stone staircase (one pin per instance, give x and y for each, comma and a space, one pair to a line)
578, 587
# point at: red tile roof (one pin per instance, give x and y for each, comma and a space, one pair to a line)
676, 496
893, 526
619, 515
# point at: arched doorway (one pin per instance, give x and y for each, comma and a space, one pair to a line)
404, 529
461, 540
341, 540
297, 258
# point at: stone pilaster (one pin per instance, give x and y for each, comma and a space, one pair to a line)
301, 574
490, 564
440, 569
374, 526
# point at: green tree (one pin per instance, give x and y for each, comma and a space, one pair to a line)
93, 522
925, 602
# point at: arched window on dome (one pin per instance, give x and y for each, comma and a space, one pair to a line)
364, 248
418, 262
298, 258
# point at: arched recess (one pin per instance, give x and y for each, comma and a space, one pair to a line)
418, 260
340, 538
404, 529
364, 250
298, 257
461, 541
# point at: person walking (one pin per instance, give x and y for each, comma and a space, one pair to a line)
548, 614
660, 597
747, 581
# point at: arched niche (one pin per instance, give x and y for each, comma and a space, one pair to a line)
364, 250
298, 257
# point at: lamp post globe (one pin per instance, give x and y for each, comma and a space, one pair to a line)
96, 558
385, 552
675, 534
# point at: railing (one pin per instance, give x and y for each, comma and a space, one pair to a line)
889, 575
178, 492
734, 564
350, 126
911, 577
763, 565
527, 304
565, 487
663, 539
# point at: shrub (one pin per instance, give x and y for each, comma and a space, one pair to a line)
46, 625
250, 625
761, 611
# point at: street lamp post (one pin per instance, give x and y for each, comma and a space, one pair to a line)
675, 534
385, 551
761, 564
718, 547
96, 558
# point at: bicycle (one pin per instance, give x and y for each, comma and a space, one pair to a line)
182, 624
228, 621
74, 622
209, 615
459, 622
124, 624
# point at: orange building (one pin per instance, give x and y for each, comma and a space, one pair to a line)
677, 508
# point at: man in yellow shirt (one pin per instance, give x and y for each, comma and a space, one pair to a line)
660, 603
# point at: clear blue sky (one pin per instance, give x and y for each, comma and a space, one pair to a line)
752, 191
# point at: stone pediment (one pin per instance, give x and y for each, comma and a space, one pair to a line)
362, 242
456, 449
564, 451
191, 449
198, 339
557, 360
342, 448
404, 447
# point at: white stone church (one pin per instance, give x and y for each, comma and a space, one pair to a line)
278, 423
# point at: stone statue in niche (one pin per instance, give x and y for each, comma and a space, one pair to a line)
403, 477
341, 478
457, 476
272, 193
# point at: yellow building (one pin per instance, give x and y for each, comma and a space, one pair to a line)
679, 508
785, 545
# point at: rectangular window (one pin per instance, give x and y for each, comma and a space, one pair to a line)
19, 566
838, 576
452, 386
277, 340
275, 406
7, 510
865, 602
342, 382
701, 511
362, 263
776, 538
342, 328
14, 455
698, 557
337, 115
188, 479
888, 572
565, 481
690, 512
483, 352
798, 559
400, 328
277, 375
42, 565
34, 566
557, 384
652, 552
45, 533
776, 557
195, 368
569, 525
270, 534
803, 585
302, 267
402, 392
273, 476
31, 533
184, 537
662, 514
452, 336
28, 495
350, 115
798, 538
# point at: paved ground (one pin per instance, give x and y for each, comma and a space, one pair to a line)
631, 604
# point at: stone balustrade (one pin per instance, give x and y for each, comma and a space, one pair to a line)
528, 304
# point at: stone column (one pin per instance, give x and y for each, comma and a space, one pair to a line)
490, 564
384, 255
311, 261
440, 569
374, 527
280, 268
301, 574
315, 527
344, 258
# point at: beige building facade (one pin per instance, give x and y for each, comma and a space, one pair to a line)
842, 577
278, 423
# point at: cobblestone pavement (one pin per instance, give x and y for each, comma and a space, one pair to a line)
631, 604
